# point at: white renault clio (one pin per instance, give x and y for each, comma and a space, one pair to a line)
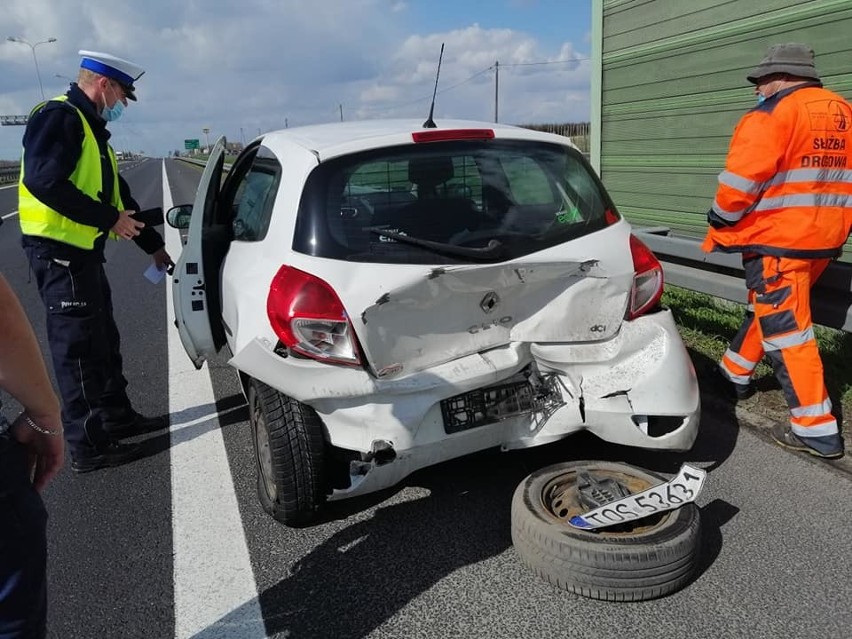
394, 296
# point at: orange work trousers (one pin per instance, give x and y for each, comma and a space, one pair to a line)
778, 325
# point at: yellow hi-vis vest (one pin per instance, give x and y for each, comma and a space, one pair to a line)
37, 218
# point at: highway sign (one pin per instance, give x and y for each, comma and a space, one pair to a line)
191, 144
13, 120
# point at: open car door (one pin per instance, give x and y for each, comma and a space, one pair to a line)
192, 284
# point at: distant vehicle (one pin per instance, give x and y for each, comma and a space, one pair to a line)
395, 296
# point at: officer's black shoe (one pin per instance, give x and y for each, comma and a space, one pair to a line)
733, 391
132, 423
827, 447
107, 456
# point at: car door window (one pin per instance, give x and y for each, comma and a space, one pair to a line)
252, 197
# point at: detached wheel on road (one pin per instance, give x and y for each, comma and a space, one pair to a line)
643, 559
290, 454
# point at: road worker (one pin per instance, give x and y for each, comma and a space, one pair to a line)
71, 198
784, 202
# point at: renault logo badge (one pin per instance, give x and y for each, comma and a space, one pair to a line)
490, 302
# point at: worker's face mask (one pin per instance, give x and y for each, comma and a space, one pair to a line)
767, 91
111, 114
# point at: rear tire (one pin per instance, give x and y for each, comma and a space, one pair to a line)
290, 455
645, 559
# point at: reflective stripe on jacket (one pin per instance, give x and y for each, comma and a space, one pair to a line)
787, 185
38, 219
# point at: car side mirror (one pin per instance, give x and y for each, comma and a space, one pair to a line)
179, 216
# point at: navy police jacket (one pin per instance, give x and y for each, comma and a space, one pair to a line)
52, 146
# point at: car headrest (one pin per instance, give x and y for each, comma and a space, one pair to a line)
430, 171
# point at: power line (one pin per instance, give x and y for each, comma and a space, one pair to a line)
393, 107
532, 64
429, 97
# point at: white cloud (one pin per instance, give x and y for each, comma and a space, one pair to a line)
239, 67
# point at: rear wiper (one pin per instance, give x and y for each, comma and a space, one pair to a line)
493, 250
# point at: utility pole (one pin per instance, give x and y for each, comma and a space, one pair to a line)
496, 87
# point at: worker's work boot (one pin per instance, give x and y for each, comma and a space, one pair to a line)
827, 447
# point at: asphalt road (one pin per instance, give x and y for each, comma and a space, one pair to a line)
430, 558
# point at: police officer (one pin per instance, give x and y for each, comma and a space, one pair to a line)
785, 203
71, 200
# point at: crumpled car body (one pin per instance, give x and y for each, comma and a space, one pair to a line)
431, 293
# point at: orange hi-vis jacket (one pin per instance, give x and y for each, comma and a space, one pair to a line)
787, 185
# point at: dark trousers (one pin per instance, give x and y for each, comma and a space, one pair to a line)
23, 548
85, 347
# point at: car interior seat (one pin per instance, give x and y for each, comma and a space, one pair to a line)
436, 213
428, 173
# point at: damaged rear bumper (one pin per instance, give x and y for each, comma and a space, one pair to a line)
637, 389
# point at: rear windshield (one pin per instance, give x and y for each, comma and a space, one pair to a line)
450, 202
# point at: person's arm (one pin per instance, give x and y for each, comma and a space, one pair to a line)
152, 243
149, 240
754, 155
24, 376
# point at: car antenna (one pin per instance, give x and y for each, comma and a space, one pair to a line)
430, 123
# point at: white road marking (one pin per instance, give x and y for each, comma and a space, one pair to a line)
215, 591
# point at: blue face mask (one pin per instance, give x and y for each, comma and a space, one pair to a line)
111, 114
760, 99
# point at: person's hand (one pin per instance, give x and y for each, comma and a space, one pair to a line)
162, 259
46, 453
126, 226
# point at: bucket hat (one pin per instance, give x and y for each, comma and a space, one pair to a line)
791, 58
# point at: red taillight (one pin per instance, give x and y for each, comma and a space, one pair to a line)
308, 317
441, 135
647, 279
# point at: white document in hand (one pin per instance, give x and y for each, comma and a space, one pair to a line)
154, 275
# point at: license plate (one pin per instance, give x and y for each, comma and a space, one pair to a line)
494, 403
681, 489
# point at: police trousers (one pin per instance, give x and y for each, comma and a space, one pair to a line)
85, 346
778, 324
23, 548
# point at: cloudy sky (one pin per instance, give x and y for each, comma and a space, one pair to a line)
239, 67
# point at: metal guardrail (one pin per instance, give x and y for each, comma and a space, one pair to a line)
721, 275
9, 174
